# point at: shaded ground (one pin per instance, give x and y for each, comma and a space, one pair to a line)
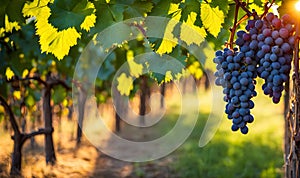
85, 161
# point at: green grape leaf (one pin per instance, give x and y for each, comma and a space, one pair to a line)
68, 13
52, 41
188, 29
164, 67
161, 8
35, 94
104, 17
212, 18
117, 11
223, 5
158, 77
13, 9
187, 7
59, 94
4, 4
115, 36
30, 101
259, 2
137, 9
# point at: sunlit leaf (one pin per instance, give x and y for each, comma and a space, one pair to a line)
168, 76
188, 29
125, 84
9, 73
30, 101
51, 40
2, 110
169, 41
9, 26
257, 8
88, 22
17, 94
25, 73
212, 18
135, 69
195, 70
66, 14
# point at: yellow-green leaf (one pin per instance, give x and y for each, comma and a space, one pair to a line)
51, 40
168, 76
9, 73
25, 73
9, 26
169, 41
17, 94
188, 29
124, 84
135, 69
212, 18
88, 22
195, 70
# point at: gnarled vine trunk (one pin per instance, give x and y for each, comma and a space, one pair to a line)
81, 104
47, 111
292, 121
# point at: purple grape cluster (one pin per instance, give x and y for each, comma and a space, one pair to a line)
265, 49
272, 41
236, 75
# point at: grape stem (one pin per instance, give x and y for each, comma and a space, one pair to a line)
233, 29
236, 23
267, 8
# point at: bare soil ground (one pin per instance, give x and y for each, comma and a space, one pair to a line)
82, 161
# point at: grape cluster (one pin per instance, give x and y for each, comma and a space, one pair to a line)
236, 73
272, 41
265, 50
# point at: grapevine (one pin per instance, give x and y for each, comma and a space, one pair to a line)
264, 49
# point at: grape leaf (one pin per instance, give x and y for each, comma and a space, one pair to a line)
195, 70
212, 18
187, 7
124, 84
51, 40
223, 5
11, 8
117, 11
59, 94
169, 41
257, 8
188, 29
67, 13
115, 36
104, 17
88, 22
4, 4
9, 73
135, 69
14, 9
161, 8
137, 9
30, 101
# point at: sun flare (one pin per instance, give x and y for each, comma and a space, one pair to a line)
297, 6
